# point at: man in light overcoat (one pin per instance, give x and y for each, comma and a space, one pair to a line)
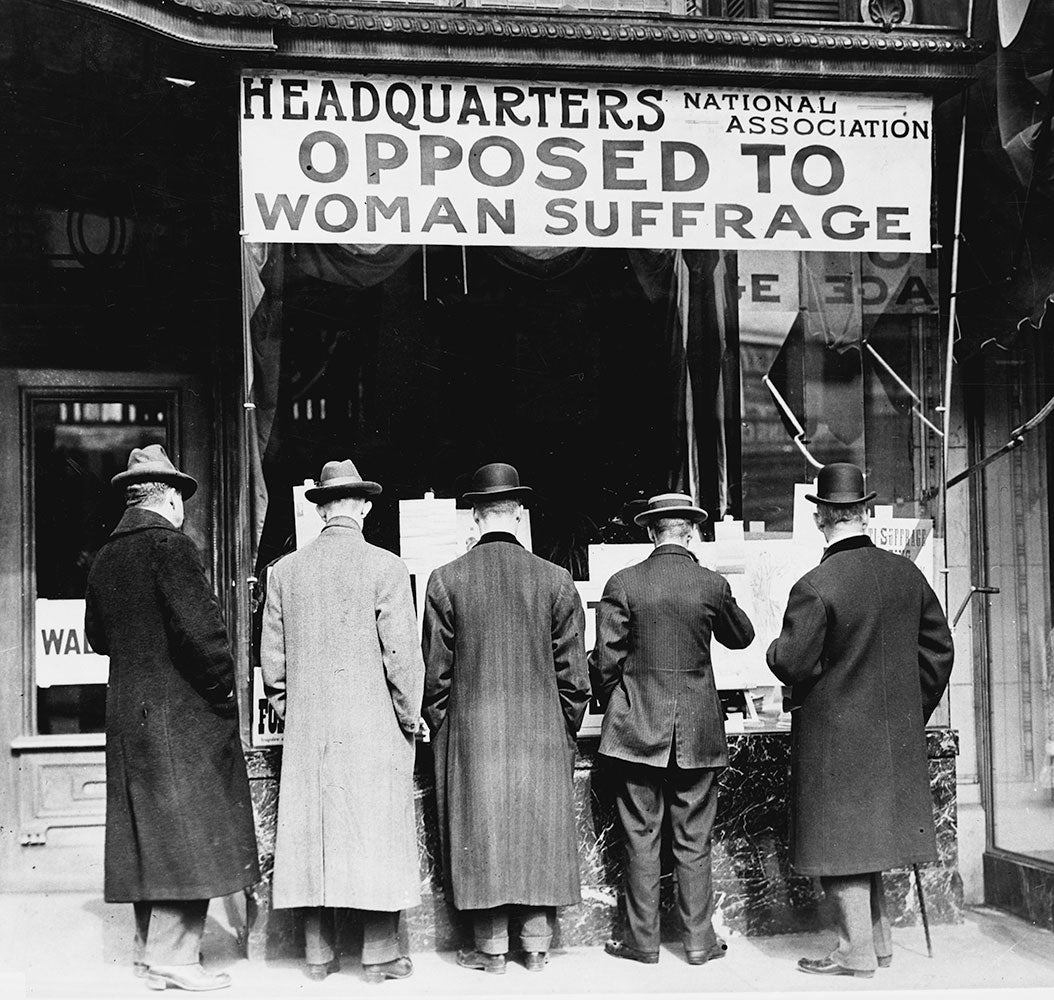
505, 693
342, 666
867, 651
663, 734
179, 822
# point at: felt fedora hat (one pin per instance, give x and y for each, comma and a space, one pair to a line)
152, 465
339, 480
671, 505
497, 481
840, 484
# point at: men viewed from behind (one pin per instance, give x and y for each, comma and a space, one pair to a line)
179, 823
506, 689
663, 732
342, 665
868, 652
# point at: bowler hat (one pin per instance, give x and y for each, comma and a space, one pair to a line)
671, 505
840, 484
497, 481
152, 465
339, 480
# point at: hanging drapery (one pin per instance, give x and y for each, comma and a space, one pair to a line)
702, 333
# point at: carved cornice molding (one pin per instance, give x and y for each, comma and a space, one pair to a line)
494, 26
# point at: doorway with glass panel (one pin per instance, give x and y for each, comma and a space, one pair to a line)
63, 436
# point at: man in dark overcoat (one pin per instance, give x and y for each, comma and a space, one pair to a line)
867, 651
506, 688
342, 665
179, 823
663, 734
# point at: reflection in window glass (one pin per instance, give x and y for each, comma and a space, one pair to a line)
1016, 490
79, 442
840, 363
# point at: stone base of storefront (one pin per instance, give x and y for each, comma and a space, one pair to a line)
1021, 885
755, 890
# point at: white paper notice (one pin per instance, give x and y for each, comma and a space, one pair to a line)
63, 654
307, 521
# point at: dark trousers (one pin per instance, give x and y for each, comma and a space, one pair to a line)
689, 797
380, 935
490, 928
169, 932
860, 913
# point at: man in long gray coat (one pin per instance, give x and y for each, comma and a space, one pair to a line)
179, 822
505, 693
342, 666
664, 731
867, 650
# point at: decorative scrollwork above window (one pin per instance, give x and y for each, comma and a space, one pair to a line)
887, 13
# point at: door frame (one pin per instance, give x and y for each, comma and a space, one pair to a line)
42, 769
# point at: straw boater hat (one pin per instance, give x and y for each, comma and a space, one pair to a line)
497, 481
152, 465
339, 480
671, 505
840, 484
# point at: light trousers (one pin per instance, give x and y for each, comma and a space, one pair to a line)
169, 932
860, 913
534, 923
380, 935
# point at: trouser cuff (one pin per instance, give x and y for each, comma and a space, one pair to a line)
493, 945
378, 954
855, 960
537, 943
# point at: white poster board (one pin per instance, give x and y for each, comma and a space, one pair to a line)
307, 521
265, 726
63, 654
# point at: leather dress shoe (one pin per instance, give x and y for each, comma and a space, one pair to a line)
317, 971
534, 961
825, 967
469, 958
707, 954
885, 961
397, 968
619, 950
185, 977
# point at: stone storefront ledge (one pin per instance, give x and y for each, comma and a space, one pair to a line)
755, 890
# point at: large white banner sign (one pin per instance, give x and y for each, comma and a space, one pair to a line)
423, 160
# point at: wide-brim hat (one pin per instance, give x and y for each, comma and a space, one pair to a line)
671, 505
497, 481
338, 480
840, 484
152, 465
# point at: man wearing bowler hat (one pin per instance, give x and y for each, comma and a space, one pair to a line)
867, 651
663, 733
505, 692
342, 665
179, 822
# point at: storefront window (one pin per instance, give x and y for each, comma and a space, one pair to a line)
442, 273
840, 363
604, 375
79, 441
1021, 673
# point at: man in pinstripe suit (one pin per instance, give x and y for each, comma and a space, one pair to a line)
663, 731
505, 691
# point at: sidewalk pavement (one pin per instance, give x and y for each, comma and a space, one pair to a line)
69, 945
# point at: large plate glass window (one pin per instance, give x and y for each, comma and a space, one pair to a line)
78, 441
